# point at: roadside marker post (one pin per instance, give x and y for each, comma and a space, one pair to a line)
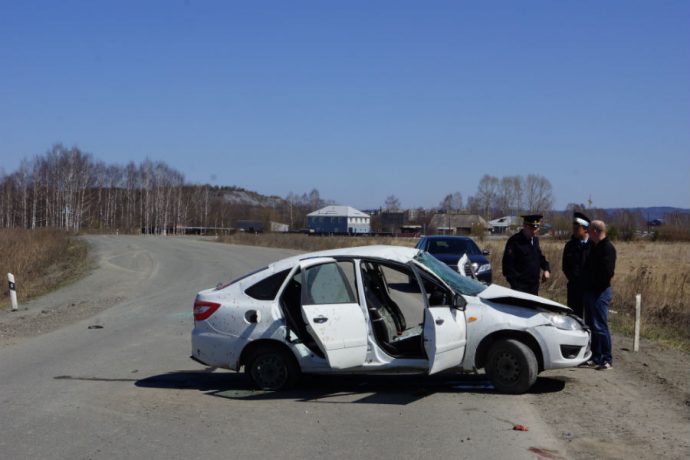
638, 308
13, 291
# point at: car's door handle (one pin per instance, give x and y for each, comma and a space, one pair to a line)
320, 319
439, 321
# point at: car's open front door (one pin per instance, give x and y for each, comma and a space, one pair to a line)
333, 317
445, 331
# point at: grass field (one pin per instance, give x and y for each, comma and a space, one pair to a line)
40, 260
659, 271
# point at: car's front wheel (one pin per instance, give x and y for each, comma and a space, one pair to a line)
271, 368
511, 366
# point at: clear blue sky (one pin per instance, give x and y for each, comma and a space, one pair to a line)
360, 99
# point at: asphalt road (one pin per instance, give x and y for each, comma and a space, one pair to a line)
120, 384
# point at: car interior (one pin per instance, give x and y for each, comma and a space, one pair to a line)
396, 306
394, 300
290, 302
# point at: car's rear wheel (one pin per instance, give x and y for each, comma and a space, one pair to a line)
271, 368
511, 366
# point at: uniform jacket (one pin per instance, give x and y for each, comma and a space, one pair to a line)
522, 262
575, 254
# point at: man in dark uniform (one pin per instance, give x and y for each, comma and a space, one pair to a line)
575, 255
523, 259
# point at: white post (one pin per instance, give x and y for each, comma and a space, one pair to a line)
638, 307
13, 291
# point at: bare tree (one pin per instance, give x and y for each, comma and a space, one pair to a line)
65, 175
510, 194
473, 205
538, 194
291, 199
487, 192
314, 199
23, 183
451, 202
504, 196
146, 202
131, 186
392, 203
5, 201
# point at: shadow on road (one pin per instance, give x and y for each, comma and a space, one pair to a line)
350, 389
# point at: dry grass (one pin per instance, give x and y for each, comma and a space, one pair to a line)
41, 260
659, 271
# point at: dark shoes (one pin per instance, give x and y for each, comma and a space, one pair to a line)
600, 367
604, 367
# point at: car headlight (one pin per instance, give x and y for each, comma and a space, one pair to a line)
483, 268
565, 322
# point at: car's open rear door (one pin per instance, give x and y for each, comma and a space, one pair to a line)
332, 314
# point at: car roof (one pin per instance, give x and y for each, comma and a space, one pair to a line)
447, 237
394, 253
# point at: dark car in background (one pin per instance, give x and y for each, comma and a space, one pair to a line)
449, 250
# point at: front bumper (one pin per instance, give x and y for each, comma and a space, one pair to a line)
563, 348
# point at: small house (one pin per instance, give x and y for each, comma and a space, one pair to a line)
339, 219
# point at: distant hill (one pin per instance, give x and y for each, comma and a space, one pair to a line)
250, 198
653, 212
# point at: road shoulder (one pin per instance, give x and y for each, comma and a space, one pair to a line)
639, 409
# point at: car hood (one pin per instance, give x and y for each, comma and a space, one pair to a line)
504, 295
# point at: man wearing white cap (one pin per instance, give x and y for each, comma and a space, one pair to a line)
575, 255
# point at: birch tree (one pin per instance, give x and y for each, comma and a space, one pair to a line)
538, 193
486, 194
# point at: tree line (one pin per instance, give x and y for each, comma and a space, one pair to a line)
67, 188
510, 195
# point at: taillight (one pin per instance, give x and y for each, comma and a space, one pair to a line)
203, 309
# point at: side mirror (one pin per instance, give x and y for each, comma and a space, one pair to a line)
486, 252
459, 302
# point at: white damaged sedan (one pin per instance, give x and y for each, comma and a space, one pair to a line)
380, 309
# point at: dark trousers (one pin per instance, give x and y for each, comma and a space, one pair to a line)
528, 288
576, 299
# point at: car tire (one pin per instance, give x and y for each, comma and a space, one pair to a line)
511, 366
272, 368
